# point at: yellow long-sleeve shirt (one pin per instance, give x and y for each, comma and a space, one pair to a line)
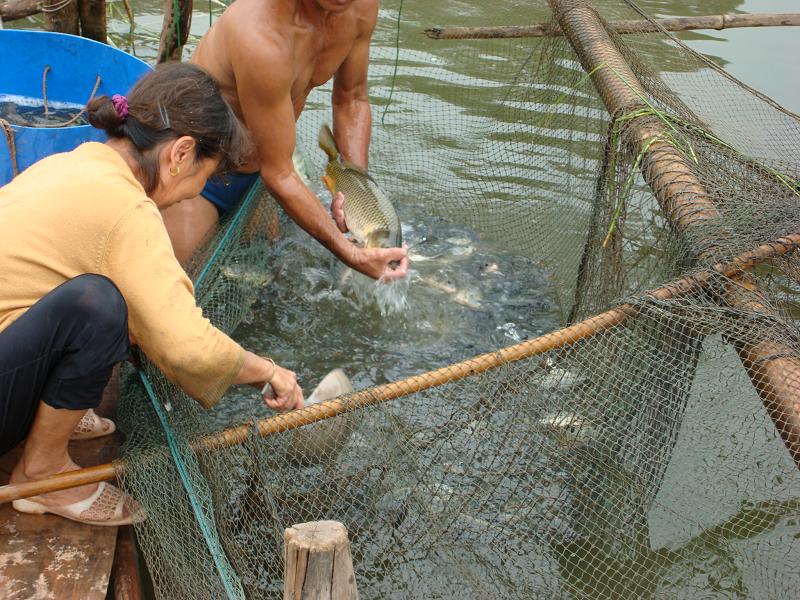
85, 212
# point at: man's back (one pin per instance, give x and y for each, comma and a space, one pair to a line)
283, 41
267, 55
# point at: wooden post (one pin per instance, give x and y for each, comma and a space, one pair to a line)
61, 16
93, 19
318, 563
175, 30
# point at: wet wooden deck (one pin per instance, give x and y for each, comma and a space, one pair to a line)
45, 557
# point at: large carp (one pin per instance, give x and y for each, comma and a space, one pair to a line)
369, 214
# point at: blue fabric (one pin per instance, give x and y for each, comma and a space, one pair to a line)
225, 192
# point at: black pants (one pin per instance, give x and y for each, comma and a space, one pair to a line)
62, 351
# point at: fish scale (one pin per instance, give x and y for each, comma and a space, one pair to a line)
368, 212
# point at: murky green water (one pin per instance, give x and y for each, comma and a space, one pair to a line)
469, 294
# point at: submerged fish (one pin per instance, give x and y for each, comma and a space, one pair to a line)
468, 298
254, 277
322, 441
568, 427
369, 214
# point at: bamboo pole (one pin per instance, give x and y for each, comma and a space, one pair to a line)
772, 366
11, 10
398, 389
718, 22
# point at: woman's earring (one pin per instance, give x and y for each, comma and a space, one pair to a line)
174, 171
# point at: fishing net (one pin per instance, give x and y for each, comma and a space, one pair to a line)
638, 452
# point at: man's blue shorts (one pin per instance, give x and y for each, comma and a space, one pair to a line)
225, 191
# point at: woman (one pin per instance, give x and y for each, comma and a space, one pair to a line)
86, 268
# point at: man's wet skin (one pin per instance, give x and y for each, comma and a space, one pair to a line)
267, 56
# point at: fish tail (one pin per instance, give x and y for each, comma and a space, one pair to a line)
327, 142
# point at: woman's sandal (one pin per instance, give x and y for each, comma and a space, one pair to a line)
107, 506
92, 426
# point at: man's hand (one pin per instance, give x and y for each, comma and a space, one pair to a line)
337, 211
283, 393
383, 264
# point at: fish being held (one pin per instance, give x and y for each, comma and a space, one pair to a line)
369, 214
320, 442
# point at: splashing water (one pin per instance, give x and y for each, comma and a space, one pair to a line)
391, 297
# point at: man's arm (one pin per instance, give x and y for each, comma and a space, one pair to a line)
264, 78
352, 117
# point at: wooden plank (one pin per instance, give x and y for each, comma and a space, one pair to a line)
46, 557
125, 574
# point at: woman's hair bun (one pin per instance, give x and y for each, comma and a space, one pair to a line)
102, 114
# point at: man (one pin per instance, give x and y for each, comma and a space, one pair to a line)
267, 56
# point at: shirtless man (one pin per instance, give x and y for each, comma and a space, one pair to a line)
267, 55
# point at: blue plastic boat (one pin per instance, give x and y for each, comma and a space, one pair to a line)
75, 63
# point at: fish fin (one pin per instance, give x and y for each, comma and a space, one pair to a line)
354, 167
327, 142
333, 385
329, 183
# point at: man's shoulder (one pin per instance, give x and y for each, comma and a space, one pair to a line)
246, 18
255, 31
367, 15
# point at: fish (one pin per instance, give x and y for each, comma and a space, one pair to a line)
558, 377
368, 212
255, 277
568, 427
301, 165
322, 441
468, 298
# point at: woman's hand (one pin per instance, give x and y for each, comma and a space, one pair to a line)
282, 393
278, 385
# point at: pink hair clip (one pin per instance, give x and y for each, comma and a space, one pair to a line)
120, 105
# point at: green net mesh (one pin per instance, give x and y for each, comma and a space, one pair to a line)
589, 466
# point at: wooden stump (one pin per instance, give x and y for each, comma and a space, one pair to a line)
93, 20
61, 16
175, 30
318, 563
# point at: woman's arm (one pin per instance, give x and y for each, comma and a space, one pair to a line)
261, 371
167, 324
